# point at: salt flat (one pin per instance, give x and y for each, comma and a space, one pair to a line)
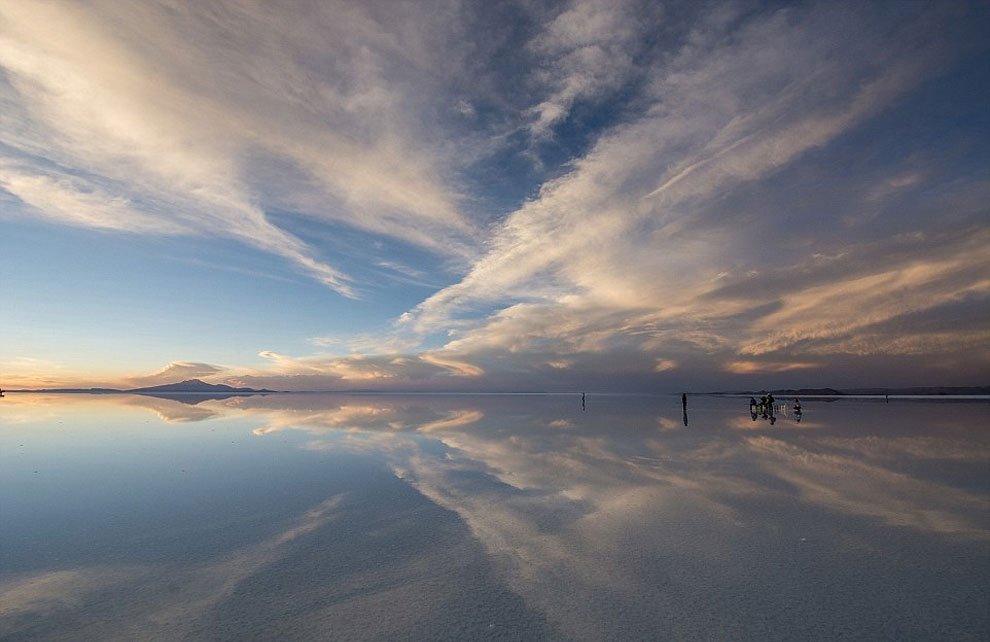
475, 517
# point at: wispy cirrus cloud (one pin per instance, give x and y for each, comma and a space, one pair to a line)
637, 245
387, 371
589, 51
249, 110
763, 367
618, 186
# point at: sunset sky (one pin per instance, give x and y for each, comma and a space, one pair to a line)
472, 195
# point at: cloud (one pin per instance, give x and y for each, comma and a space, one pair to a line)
325, 372
636, 246
31, 372
453, 366
758, 367
613, 185
664, 364
842, 307
248, 112
71, 200
587, 51
174, 372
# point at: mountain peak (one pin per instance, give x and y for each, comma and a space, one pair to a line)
194, 385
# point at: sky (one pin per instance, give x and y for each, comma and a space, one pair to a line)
602, 195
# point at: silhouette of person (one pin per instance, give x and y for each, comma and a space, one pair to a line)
684, 400
582, 402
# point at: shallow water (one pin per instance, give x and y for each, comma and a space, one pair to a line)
476, 517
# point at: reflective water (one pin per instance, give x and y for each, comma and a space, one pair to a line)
430, 517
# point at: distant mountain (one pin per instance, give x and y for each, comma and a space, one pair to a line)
189, 386
918, 390
90, 391
195, 385
922, 390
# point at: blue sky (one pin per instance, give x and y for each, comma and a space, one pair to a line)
489, 196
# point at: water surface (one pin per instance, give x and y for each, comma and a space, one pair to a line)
476, 517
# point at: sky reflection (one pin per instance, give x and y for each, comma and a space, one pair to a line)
479, 516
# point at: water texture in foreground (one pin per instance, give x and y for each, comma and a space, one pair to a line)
430, 517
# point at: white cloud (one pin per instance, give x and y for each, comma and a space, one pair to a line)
615, 252
357, 370
246, 111
73, 201
174, 372
203, 119
589, 51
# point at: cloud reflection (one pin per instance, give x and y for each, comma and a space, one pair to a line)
618, 518
190, 592
570, 514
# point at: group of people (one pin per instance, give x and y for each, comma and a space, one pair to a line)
767, 408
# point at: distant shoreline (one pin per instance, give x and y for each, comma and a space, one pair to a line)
917, 391
941, 392
97, 391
